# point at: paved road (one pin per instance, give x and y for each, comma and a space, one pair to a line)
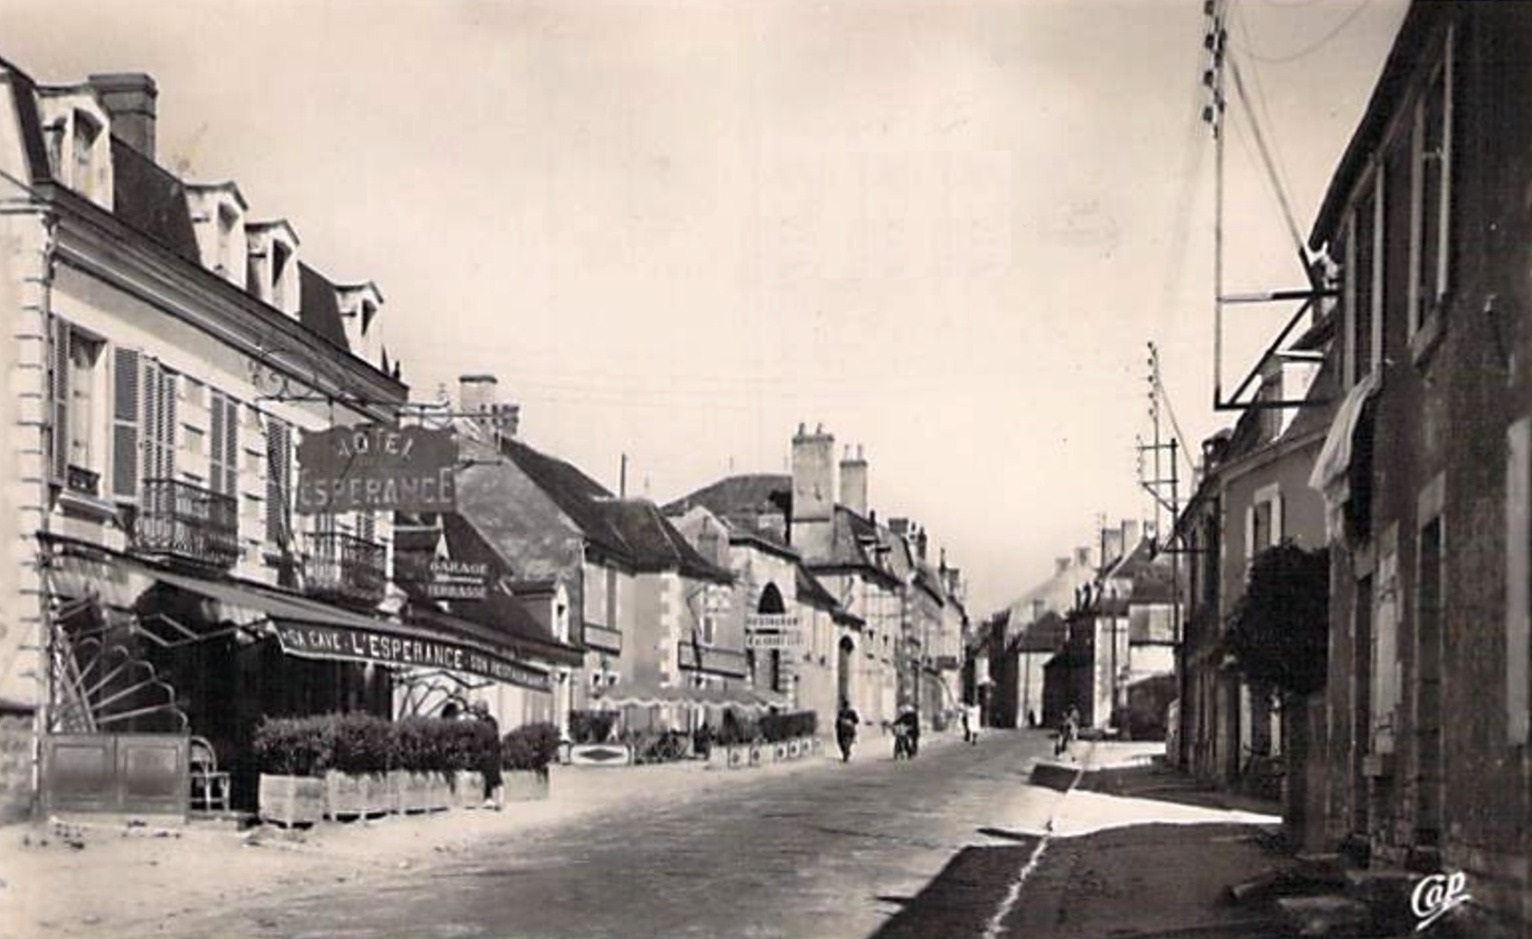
829, 850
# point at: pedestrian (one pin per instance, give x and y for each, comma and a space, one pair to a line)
1067, 731
846, 721
974, 717
1031, 718
901, 739
911, 720
967, 728
490, 757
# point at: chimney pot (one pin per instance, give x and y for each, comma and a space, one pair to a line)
129, 100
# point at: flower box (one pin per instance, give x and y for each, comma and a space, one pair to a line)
600, 754
355, 795
291, 800
467, 789
794, 748
411, 791
438, 791
526, 785
757, 754
779, 752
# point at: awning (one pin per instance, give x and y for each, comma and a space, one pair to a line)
647, 694
305, 628
1330, 474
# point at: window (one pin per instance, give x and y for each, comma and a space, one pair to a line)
82, 173
75, 380
223, 444
1263, 522
281, 258
1386, 685
1432, 194
227, 221
1364, 252
158, 422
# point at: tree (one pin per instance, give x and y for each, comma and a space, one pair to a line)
1279, 631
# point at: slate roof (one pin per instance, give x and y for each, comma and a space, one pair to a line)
1044, 634
812, 592
1326, 388
320, 308
576, 494
654, 544
152, 200
750, 493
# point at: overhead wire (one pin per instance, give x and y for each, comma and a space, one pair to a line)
1315, 46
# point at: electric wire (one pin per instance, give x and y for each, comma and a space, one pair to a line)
1315, 46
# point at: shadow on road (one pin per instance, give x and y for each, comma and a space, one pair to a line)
960, 900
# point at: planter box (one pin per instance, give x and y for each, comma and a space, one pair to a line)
779, 752
467, 789
757, 754
355, 796
438, 792
409, 791
718, 758
522, 785
291, 800
794, 748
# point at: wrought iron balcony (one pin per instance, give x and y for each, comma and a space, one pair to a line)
346, 568
187, 523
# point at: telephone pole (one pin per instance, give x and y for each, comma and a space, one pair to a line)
1164, 487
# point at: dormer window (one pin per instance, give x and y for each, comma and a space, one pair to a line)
272, 274
359, 308
77, 135
228, 221
87, 130
218, 217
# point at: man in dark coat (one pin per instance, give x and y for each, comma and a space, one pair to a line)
846, 721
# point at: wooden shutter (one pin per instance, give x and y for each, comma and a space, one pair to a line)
278, 481
159, 422
223, 444
58, 394
126, 401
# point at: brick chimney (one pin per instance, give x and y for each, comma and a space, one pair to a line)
1111, 546
1130, 532
129, 100
853, 481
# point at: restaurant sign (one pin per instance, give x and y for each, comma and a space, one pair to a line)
377, 468
352, 644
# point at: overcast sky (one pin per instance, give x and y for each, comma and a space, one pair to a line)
677, 229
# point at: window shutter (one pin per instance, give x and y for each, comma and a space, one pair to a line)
216, 457
159, 422
58, 393
278, 476
126, 394
231, 447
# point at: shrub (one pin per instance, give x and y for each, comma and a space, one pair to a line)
737, 728
291, 746
530, 747
1279, 631
358, 743
591, 726
776, 728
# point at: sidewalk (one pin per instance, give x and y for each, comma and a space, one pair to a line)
83, 879
1129, 848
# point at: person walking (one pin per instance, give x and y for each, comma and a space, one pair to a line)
971, 720
846, 721
490, 758
1067, 732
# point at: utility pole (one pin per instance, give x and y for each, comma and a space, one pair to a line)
622, 478
1166, 492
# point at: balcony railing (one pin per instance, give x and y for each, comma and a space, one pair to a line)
187, 523
346, 568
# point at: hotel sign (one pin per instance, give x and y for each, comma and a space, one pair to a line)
377, 468
351, 644
772, 631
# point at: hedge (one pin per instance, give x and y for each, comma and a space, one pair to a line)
365, 743
530, 747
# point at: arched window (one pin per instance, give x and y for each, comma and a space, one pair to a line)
771, 601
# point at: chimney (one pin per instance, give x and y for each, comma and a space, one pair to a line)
1129, 535
1082, 557
920, 544
479, 399
813, 500
1060, 565
1111, 546
853, 481
129, 100
900, 527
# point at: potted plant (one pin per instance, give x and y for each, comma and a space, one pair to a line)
290, 752
413, 759
525, 754
359, 749
592, 740
472, 744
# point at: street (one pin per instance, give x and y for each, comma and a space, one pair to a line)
830, 851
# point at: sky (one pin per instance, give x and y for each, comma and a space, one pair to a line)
677, 229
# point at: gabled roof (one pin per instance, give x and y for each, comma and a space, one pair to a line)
749, 493
812, 592
654, 544
576, 495
1044, 634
